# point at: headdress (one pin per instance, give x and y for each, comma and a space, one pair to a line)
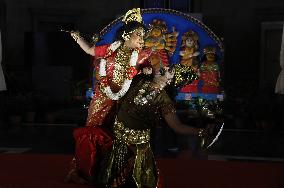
190, 34
133, 15
158, 24
209, 50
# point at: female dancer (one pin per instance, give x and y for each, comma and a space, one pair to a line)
131, 163
118, 63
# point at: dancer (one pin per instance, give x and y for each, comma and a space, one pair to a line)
118, 63
131, 163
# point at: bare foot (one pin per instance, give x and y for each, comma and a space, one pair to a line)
74, 177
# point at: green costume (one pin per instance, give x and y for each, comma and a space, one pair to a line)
131, 154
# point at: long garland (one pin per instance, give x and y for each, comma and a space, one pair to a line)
131, 72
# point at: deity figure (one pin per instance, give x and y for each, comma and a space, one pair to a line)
189, 48
210, 71
187, 69
161, 42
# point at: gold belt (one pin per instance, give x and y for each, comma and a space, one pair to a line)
130, 136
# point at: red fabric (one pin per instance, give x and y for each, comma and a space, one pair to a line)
210, 89
210, 77
101, 51
99, 108
101, 105
211, 82
143, 55
131, 72
190, 88
163, 56
91, 142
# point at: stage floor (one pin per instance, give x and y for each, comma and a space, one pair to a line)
48, 171
241, 145
37, 156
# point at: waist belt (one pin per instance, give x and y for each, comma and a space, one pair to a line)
130, 136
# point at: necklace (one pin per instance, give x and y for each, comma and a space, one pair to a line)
146, 94
121, 64
131, 72
159, 84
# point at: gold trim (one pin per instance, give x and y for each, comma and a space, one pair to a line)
130, 136
132, 15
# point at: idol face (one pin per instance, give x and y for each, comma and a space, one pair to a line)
189, 42
156, 32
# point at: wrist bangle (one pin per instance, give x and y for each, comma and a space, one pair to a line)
79, 37
76, 37
201, 133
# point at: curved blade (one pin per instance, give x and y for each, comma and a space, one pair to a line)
217, 136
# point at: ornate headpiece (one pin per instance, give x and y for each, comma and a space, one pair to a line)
158, 24
132, 15
190, 34
209, 50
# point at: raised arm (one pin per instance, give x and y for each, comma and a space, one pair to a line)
174, 122
82, 43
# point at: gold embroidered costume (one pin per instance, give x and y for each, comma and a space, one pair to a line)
131, 156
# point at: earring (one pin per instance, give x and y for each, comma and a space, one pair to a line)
125, 36
169, 82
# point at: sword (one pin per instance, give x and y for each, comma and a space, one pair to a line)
216, 137
95, 37
67, 31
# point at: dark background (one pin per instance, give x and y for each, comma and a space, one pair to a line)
40, 61
240, 23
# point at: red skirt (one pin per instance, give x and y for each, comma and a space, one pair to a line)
91, 142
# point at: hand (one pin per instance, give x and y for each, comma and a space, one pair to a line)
175, 33
143, 55
210, 133
196, 54
75, 35
182, 53
147, 70
203, 133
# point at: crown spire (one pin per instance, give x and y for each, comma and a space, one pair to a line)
133, 15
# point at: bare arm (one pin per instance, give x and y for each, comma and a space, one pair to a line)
83, 44
174, 122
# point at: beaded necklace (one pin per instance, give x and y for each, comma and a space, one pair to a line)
121, 64
130, 73
146, 94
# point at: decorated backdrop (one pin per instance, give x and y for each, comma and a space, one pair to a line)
177, 39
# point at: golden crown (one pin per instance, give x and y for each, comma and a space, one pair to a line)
158, 24
133, 15
190, 34
209, 50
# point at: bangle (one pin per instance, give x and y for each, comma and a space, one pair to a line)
79, 37
76, 36
201, 133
